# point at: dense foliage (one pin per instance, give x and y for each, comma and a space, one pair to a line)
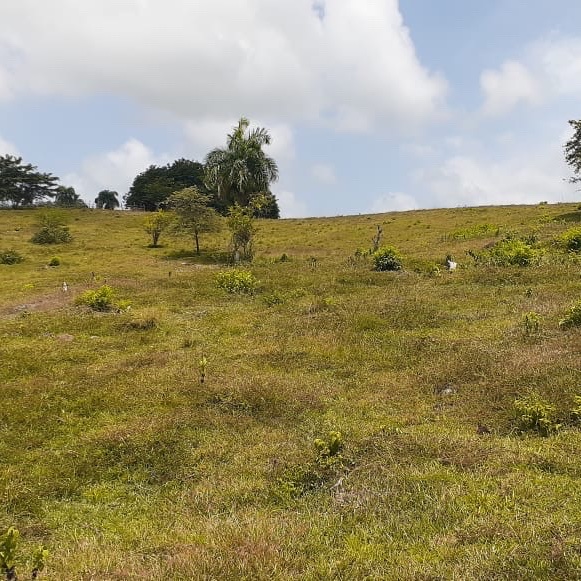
573, 151
21, 185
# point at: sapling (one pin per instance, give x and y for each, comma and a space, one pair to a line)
202, 366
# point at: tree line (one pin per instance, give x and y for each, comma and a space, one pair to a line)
238, 174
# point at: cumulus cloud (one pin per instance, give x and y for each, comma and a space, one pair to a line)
291, 206
507, 87
517, 178
346, 63
324, 173
393, 202
548, 69
113, 170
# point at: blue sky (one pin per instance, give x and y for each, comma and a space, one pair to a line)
373, 105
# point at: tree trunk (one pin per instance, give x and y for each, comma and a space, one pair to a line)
197, 243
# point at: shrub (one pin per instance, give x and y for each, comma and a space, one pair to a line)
272, 299
101, 299
510, 252
329, 450
387, 258
54, 261
533, 414
10, 257
571, 240
572, 318
237, 281
531, 322
51, 229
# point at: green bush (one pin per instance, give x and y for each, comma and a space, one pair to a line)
572, 318
511, 252
102, 299
10, 257
237, 281
531, 322
533, 414
51, 229
571, 239
54, 261
387, 258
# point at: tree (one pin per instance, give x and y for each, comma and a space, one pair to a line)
68, 198
157, 223
241, 225
20, 183
107, 200
573, 151
194, 215
241, 170
151, 188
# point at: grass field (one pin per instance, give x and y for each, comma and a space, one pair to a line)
116, 457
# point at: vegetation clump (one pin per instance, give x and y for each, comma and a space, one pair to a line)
572, 318
571, 240
9, 555
10, 257
387, 258
509, 252
102, 299
54, 261
155, 224
533, 414
51, 229
237, 281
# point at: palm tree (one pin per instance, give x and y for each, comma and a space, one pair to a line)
107, 200
241, 170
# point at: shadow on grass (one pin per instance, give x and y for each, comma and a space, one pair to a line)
205, 256
569, 217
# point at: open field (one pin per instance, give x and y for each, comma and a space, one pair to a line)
114, 455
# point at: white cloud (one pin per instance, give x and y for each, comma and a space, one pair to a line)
508, 87
7, 148
114, 170
520, 176
393, 202
324, 173
290, 206
559, 60
347, 63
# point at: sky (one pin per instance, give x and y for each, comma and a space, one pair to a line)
372, 105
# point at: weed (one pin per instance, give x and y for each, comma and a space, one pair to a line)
572, 318
10, 257
387, 258
531, 323
203, 367
237, 281
9, 555
534, 414
54, 261
272, 299
102, 299
329, 449
571, 240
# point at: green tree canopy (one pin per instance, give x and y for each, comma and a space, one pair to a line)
107, 200
573, 151
68, 198
20, 183
151, 188
241, 170
194, 214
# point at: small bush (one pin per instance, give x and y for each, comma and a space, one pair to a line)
387, 258
54, 261
510, 252
329, 450
10, 257
52, 229
237, 281
533, 414
571, 240
101, 299
531, 323
572, 318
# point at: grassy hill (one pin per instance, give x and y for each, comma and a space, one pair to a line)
352, 424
